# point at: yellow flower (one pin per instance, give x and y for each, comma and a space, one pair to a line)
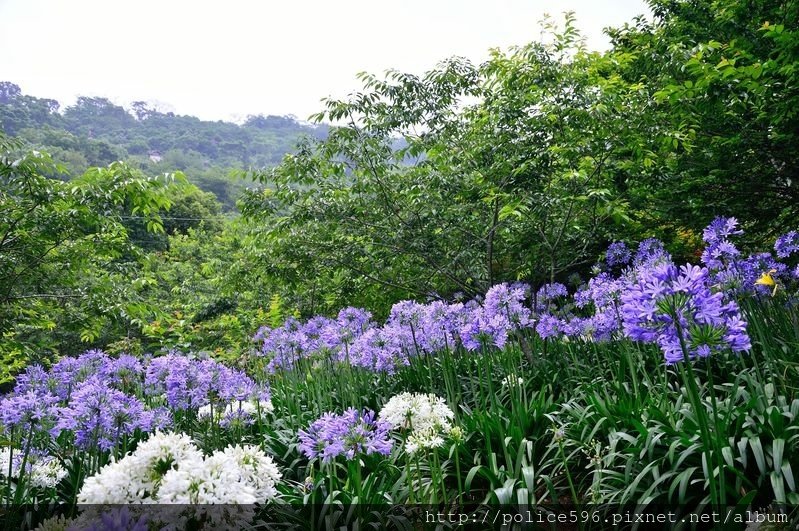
767, 280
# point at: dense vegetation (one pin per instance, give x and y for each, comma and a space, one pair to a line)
96, 132
580, 371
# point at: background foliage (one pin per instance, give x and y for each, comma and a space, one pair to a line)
417, 186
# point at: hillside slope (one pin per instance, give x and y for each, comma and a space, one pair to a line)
96, 132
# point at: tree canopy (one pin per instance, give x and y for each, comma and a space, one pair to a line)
436, 185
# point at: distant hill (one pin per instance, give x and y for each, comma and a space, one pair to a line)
95, 131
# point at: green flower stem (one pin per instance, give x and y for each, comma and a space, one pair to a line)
575, 499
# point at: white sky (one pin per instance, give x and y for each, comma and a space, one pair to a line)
227, 59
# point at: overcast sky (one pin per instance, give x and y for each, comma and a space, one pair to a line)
227, 59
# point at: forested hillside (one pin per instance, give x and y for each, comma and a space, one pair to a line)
560, 278
558, 152
96, 132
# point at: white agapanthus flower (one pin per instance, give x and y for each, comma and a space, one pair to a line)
46, 473
5, 458
42, 471
111, 485
239, 407
216, 481
235, 475
417, 412
257, 469
56, 523
136, 477
224, 487
420, 440
168, 468
426, 416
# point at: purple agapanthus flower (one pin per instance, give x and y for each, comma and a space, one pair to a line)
382, 349
69, 371
115, 519
549, 297
787, 244
675, 308
285, 345
552, 291
349, 434
408, 313
548, 326
185, 385
123, 372
601, 326
720, 229
508, 301
618, 254
37, 380
482, 330
353, 322
154, 419
603, 291
311, 340
100, 415
190, 384
650, 252
720, 253
29, 410
408, 316
440, 325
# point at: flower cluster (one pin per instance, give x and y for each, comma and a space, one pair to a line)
651, 252
510, 311
720, 252
593, 313
190, 384
603, 294
425, 418
349, 434
45, 471
235, 475
618, 254
787, 244
28, 411
95, 401
485, 329
509, 301
41, 470
169, 468
137, 477
676, 309
99, 415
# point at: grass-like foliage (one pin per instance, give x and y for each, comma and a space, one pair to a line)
651, 386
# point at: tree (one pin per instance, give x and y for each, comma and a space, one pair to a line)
723, 81
9, 92
61, 249
422, 192
192, 208
142, 110
101, 132
209, 289
90, 116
